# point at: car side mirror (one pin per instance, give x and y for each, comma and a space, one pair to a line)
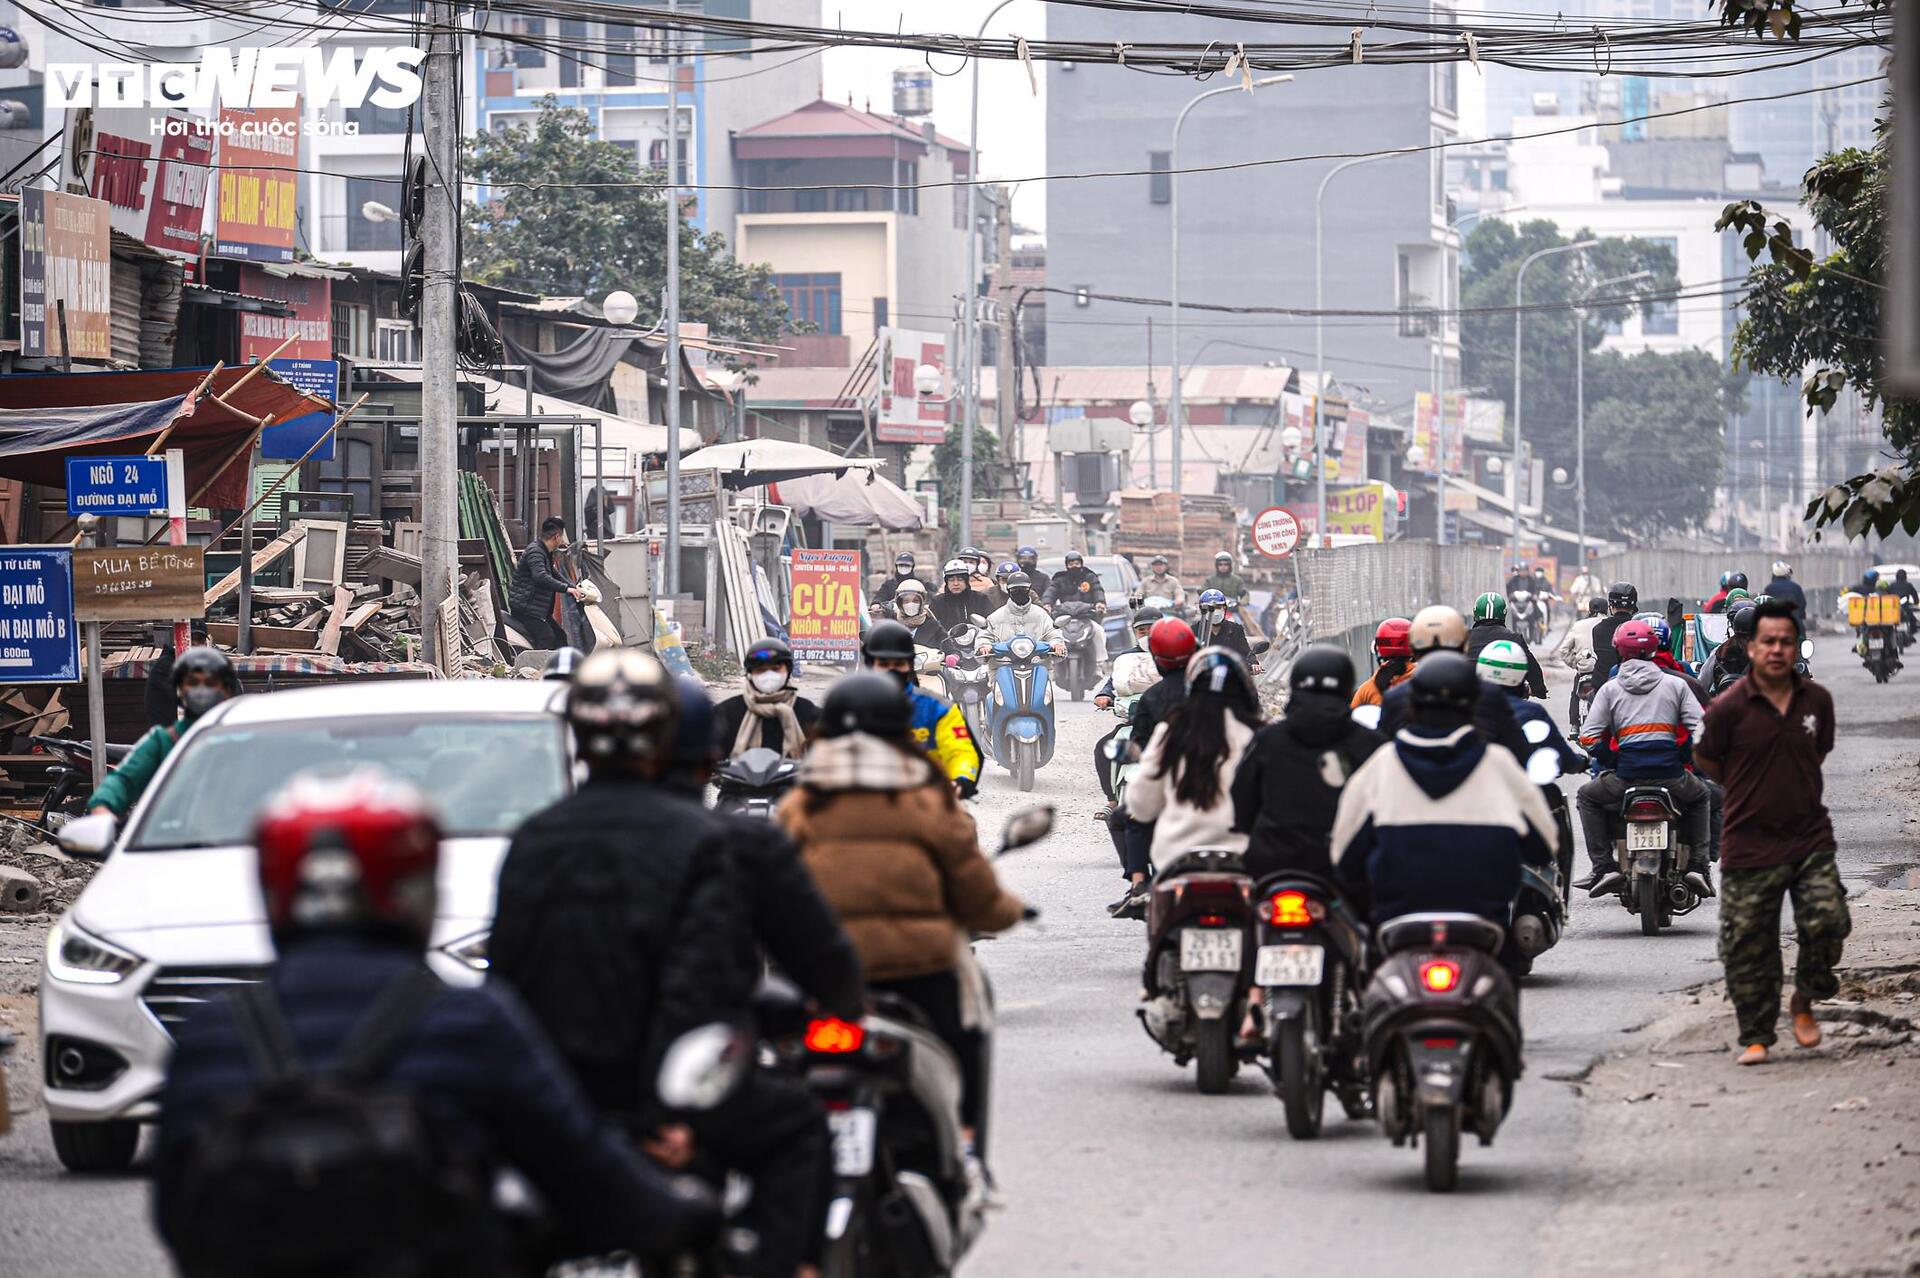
89, 836
1367, 716
1027, 827
1260, 647
704, 1067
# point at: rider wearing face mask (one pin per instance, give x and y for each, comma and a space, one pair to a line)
904, 570
1022, 616
770, 713
958, 601
1027, 560
202, 679
1220, 630
910, 607
938, 726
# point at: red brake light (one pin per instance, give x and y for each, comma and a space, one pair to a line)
1295, 909
1440, 1044
834, 1036
1213, 920
1646, 810
1439, 975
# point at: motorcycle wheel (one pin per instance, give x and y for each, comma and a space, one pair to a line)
1648, 888
1213, 1056
1443, 1149
64, 797
851, 1255
1023, 765
1303, 1084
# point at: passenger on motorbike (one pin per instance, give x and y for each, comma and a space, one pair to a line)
1440, 822
1172, 645
1288, 787
1503, 663
1623, 599
347, 870
202, 679
1076, 583
1001, 575
1027, 559
1161, 584
980, 580
1022, 616
1730, 660
769, 712
1133, 673
1490, 626
911, 610
1186, 772
1633, 729
958, 601
1439, 629
1729, 582
1226, 580
1396, 662
1218, 629
897, 858
936, 725
904, 570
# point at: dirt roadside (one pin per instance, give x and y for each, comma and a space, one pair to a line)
1689, 1163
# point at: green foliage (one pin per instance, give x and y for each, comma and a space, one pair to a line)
560, 222
1778, 18
946, 468
1654, 442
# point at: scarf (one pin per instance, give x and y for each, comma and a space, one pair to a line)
762, 706
858, 761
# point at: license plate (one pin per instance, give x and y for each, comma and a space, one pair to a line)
1289, 964
1647, 836
1209, 949
853, 1131
1876, 641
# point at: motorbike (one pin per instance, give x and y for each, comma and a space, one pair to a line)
1442, 1033
967, 676
1020, 730
71, 779
753, 784
1880, 651
1310, 964
1652, 858
1527, 615
1080, 670
1540, 910
929, 668
1199, 917
1586, 685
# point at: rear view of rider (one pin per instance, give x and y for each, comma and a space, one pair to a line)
1623, 599
937, 725
1132, 674
1634, 728
1288, 787
1731, 659
1503, 663
770, 713
1783, 586
347, 870
1576, 647
1438, 629
958, 601
1395, 658
1172, 645
1490, 626
1184, 783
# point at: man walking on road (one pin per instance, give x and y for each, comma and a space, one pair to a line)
1765, 739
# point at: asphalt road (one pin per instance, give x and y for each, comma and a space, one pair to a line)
1111, 1162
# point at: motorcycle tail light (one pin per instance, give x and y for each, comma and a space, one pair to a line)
1440, 1044
1646, 810
1295, 909
1439, 975
1213, 920
833, 1036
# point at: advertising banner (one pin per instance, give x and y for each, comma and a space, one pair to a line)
1425, 433
1360, 511
903, 417
150, 166
311, 324
826, 606
66, 255
1353, 447
259, 153
39, 642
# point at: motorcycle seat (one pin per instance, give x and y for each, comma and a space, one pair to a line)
1205, 861
1416, 931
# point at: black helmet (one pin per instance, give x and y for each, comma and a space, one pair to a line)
623, 703
207, 660
1446, 681
1322, 668
769, 651
887, 641
693, 745
1597, 606
1144, 617
1018, 581
1737, 581
972, 552
561, 664
1220, 672
869, 703
1623, 594
905, 558
1026, 552
1744, 621
1073, 557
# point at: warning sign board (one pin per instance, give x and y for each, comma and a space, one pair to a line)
1276, 532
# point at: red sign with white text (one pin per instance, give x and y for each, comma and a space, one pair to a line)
311, 323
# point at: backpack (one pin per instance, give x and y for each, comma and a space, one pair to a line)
329, 1171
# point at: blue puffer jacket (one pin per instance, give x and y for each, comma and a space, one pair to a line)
486, 1076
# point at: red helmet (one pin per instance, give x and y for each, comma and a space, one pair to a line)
1390, 640
1172, 643
353, 851
1635, 639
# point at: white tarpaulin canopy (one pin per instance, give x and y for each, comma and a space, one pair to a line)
753, 462
857, 499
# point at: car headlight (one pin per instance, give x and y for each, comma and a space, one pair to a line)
470, 950
1021, 647
84, 959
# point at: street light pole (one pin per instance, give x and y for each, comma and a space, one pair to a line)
673, 308
1519, 285
1176, 409
969, 314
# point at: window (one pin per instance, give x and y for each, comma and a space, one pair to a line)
850, 200
620, 56
362, 235
573, 34
907, 198
525, 55
657, 156
349, 330
378, 119
1446, 75
814, 299
879, 312
395, 342
1160, 177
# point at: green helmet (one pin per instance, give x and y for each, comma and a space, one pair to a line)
1503, 662
1490, 607
1737, 593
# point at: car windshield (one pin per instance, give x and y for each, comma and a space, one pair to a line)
484, 775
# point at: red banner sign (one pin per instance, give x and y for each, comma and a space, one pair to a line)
311, 322
259, 159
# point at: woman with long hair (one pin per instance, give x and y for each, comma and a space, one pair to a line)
1188, 767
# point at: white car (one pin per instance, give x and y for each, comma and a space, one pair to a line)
175, 912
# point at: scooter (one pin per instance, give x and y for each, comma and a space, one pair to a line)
1199, 918
1524, 615
1309, 967
1586, 686
1652, 858
1880, 651
753, 784
967, 679
1080, 671
1020, 729
1442, 1036
72, 777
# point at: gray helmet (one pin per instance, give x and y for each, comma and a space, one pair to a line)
562, 663
623, 702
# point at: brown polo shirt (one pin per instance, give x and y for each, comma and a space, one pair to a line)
1770, 766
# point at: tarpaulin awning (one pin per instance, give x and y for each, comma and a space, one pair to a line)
858, 500
47, 417
753, 462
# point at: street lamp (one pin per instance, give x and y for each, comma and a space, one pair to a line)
1580, 399
927, 382
1519, 285
1176, 409
621, 308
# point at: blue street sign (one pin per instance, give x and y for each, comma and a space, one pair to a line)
39, 642
290, 440
116, 485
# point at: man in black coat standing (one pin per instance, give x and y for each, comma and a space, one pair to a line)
535, 583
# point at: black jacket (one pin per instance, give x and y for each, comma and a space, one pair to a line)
618, 922
883, 593
1289, 784
1605, 656
1231, 635
161, 703
1155, 704
1788, 589
486, 1076
1486, 632
1071, 585
930, 633
535, 583
954, 610
728, 714
1493, 716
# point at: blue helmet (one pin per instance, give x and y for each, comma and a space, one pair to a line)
1662, 632
1213, 599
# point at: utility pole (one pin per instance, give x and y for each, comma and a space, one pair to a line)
1004, 380
673, 304
439, 378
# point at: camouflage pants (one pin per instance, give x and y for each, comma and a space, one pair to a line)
1750, 937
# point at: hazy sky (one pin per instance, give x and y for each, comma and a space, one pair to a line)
1013, 133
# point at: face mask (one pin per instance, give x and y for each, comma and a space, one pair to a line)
1020, 595
196, 701
909, 607
768, 682
904, 678
1140, 641
1216, 615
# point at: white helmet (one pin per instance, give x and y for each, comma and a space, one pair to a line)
1503, 662
909, 586
956, 568
1436, 627
1781, 568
